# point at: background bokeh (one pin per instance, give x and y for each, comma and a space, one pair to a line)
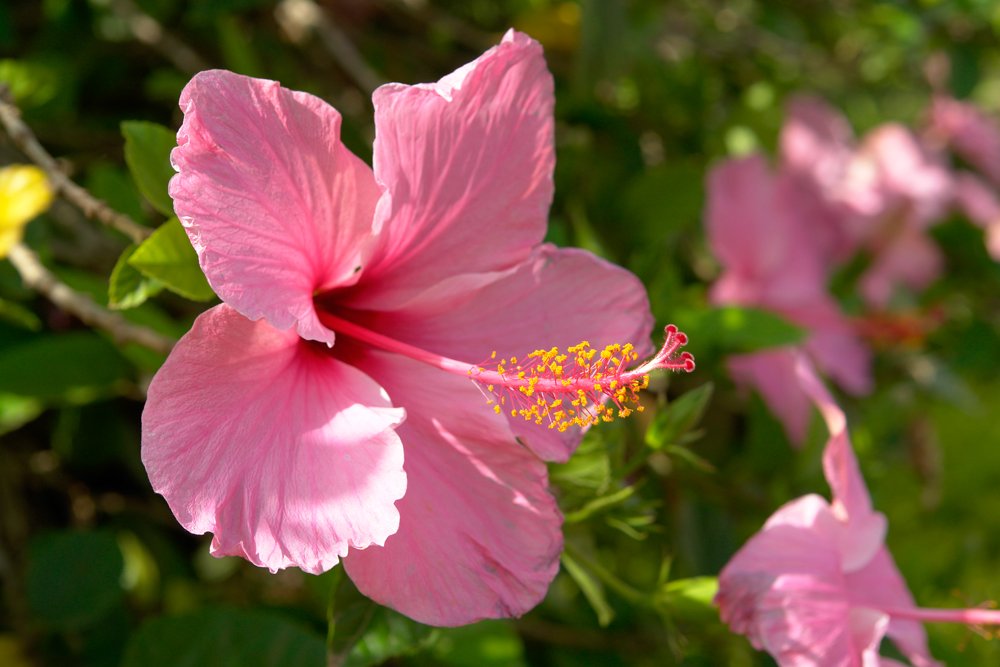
95, 571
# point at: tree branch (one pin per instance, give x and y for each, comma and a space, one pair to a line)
24, 139
37, 277
300, 16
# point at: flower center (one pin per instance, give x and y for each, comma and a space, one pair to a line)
564, 389
561, 389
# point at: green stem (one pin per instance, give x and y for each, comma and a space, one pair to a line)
609, 579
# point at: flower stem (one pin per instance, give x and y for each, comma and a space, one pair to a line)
974, 616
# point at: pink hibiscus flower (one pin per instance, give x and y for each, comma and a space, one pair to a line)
761, 235
816, 587
969, 132
899, 189
879, 196
979, 202
816, 145
332, 408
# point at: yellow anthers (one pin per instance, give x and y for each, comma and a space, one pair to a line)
579, 387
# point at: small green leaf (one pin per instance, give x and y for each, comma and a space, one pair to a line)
73, 578
691, 598
224, 638
483, 644
683, 414
147, 153
18, 315
600, 504
128, 287
738, 330
168, 257
74, 362
591, 589
16, 411
362, 633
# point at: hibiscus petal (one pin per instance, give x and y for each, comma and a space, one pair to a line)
865, 528
275, 205
785, 591
479, 536
288, 455
879, 585
912, 260
557, 298
772, 373
467, 163
744, 230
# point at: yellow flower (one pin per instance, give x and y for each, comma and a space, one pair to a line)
24, 193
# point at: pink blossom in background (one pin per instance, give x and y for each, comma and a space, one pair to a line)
968, 132
980, 203
816, 587
319, 413
815, 148
876, 196
900, 189
771, 260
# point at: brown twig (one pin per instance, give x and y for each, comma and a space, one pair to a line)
37, 277
299, 17
151, 32
24, 138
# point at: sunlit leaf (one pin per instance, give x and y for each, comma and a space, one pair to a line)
690, 598
128, 287
362, 633
147, 153
736, 330
678, 418
168, 257
483, 644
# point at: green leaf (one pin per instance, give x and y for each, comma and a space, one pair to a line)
168, 257
147, 153
73, 578
75, 364
678, 418
16, 411
18, 315
600, 504
737, 330
362, 633
128, 287
483, 644
224, 638
691, 598
591, 589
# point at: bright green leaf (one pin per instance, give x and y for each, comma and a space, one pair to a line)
691, 598
483, 644
224, 638
599, 504
74, 362
679, 417
73, 577
128, 287
168, 257
737, 330
591, 589
16, 411
363, 633
147, 153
